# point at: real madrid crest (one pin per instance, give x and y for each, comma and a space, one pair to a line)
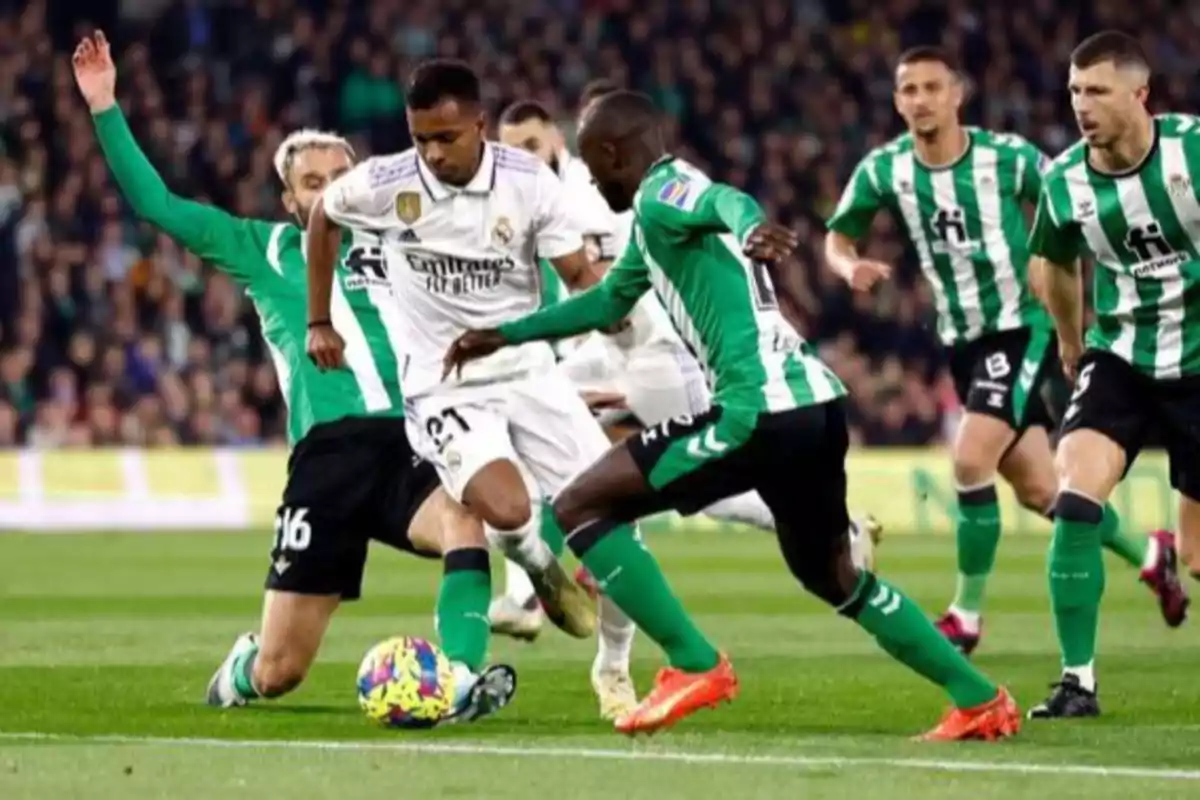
502, 233
408, 207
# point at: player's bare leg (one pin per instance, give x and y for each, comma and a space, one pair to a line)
595, 510
1089, 466
1189, 534
1029, 469
497, 494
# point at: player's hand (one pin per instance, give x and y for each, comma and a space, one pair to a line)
95, 72
865, 273
599, 401
470, 346
1069, 353
326, 347
770, 242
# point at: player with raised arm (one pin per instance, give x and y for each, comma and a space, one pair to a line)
352, 475
1126, 196
464, 222
962, 193
777, 424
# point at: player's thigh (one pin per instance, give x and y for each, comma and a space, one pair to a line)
553, 431
441, 524
662, 382
1028, 467
465, 434
1104, 426
293, 626
320, 546
997, 375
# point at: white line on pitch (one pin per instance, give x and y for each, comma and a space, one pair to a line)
480, 749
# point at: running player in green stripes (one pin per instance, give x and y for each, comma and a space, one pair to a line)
777, 424
961, 194
1127, 197
352, 475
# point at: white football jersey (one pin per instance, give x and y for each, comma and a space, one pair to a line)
609, 233
460, 258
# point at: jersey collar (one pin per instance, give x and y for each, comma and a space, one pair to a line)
480, 185
564, 158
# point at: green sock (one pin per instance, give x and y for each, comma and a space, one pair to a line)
551, 533
907, 635
1130, 547
627, 573
462, 606
1076, 569
977, 532
243, 675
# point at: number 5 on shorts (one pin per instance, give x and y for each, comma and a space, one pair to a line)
1081, 386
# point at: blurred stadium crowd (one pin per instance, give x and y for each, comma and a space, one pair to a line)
110, 334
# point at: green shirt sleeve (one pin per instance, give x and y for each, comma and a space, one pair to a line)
239, 246
1056, 242
603, 305
685, 204
858, 205
1033, 162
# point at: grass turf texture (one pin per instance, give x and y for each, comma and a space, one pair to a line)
107, 642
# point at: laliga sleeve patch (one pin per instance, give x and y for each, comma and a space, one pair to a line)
679, 193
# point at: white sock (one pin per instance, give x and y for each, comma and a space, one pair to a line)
523, 545
1151, 558
747, 509
464, 679
517, 585
1086, 675
616, 632
969, 619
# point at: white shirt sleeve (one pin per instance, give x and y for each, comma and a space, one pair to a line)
357, 199
557, 229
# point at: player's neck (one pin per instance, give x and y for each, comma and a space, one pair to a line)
942, 148
1127, 152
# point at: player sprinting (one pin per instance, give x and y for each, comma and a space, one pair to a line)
1126, 195
777, 425
352, 475
463, 222
961, 194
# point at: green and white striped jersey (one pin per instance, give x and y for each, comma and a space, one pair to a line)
967, 222
686, 245
1142, 229
267, 258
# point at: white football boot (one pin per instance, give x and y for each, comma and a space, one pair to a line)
479, 695
221, 691
509, 617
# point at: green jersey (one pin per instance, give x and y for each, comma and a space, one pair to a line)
686, 245
1142, 229
553, 288
267, 258
966, 221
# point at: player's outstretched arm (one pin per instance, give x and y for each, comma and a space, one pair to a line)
325, 345
233, 243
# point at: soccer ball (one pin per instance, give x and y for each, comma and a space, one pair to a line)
406, 682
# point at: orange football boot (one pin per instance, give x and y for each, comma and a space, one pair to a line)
995, 719
678, 694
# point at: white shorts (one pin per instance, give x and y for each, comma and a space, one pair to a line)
540, 423
660, 380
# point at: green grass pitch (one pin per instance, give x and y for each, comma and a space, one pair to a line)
107, 642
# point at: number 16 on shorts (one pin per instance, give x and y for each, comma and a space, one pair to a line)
292, 530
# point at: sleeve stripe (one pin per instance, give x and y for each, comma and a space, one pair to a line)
273, 247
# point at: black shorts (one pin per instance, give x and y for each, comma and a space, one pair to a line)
1014, 376
349, 482
796, 461
1134, 409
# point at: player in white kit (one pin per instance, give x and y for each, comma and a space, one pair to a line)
648, 364
463, 222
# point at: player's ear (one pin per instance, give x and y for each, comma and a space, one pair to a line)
289, 201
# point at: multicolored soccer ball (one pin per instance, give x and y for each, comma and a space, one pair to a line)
406, 682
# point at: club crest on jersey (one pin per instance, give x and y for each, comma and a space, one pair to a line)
1179, 185
408, 207
502, 233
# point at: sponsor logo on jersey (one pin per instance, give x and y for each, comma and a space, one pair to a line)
408, 207
452, 275
950, 233
1155, 255
366, 267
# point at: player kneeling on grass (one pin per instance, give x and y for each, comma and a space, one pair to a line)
352, 475
777, 425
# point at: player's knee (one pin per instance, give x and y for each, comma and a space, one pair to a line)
505, 512
571, 509
973, 466
277, 674
825, 569
1037, 496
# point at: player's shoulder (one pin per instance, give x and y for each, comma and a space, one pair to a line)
389, 170
515, 162
677, 184
1065, 161
1182, 126
1004, 141
896, 146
